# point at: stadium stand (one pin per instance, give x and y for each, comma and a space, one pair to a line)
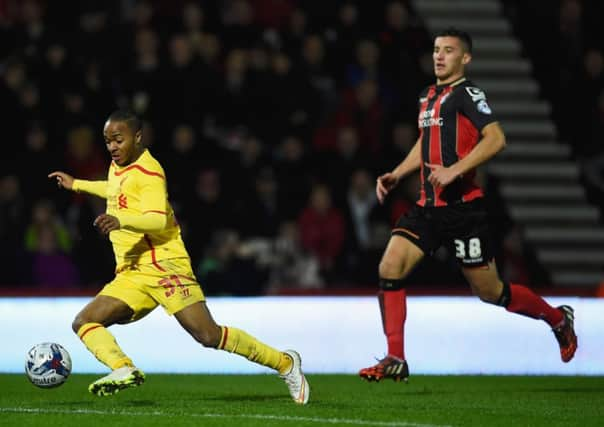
254, 104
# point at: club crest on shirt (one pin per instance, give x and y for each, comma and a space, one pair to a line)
476, 93
483, 107
122, 201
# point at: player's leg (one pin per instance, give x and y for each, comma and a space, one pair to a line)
121, 301
91, 325
197, 320
181, 296
399, 259
487, 285
469, 237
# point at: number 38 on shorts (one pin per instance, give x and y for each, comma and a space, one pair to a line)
469, 251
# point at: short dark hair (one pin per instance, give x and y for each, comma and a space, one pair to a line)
461, 35
127, 116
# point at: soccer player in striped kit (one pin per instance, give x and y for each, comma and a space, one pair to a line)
152, 268
458, 132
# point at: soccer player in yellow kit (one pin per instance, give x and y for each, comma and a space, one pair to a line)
152, 268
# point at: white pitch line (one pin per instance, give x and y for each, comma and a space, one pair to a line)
211, 415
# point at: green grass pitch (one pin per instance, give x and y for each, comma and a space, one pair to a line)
262, 400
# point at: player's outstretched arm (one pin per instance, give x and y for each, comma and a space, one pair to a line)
63, 180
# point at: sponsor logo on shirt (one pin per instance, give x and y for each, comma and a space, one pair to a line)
427, 119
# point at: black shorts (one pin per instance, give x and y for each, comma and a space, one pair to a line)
462, 228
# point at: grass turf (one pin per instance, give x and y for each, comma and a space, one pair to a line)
262, 400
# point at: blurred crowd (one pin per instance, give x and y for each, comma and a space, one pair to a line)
272, 119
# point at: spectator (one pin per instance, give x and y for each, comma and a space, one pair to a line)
248, 159
367, 232
337, 166
39, 157
181, 82
193, 21
367, 66
235, 104
322, 229
32, 30
181, 162
344, 35
227, 270
49, 245
210, 210
44, 216
402, 41
360, 108
51, 266
262, 211
292, 36
209, 50
291, 266
141, 82
294, 174
55, 71
319, 80
239, 29
83, 156
297, 111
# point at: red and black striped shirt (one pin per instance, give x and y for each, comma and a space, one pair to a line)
451, 117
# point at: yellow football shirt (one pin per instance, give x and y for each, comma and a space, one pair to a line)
137, 195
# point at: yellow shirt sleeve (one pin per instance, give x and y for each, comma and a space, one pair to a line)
154, 209
96, 188
148, 222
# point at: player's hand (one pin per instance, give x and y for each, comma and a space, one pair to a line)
384, 184
440, 176
63, 180
107, 223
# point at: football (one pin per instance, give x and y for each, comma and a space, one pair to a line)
47, 365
